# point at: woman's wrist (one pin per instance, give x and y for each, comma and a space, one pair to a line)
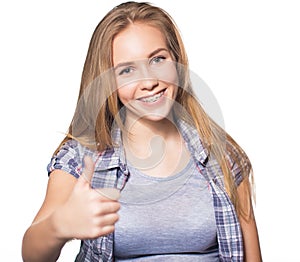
59, 224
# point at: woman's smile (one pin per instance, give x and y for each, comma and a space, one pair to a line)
152, 98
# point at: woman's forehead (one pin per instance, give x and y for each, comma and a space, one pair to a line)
137, 42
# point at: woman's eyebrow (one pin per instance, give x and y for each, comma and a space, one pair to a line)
156, 51
124, 64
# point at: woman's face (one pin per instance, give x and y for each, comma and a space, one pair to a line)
145, 72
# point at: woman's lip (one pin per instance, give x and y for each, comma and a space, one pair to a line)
154, 94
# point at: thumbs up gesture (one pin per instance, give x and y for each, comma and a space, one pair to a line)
88, 213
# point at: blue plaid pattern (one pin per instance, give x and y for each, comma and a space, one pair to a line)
111, 171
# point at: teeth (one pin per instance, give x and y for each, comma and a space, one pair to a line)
152, 99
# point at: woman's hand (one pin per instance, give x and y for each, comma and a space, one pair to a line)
88, 213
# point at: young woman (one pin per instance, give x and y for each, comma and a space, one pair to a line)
144, 174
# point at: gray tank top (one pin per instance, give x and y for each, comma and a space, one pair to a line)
166, 219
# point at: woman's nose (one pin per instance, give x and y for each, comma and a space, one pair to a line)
148, 84
148, 79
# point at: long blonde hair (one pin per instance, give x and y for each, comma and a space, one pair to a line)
102, 114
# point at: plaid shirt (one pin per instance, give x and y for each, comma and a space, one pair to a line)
111, 171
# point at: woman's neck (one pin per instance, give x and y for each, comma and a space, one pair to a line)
154, 146
140, 131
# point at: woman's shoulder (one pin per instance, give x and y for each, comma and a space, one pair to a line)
69, 157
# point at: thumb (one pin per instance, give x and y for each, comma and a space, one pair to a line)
88, 170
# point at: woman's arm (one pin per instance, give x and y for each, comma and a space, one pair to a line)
41, 241
71, 209
249, 230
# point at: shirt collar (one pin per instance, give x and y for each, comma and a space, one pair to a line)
115, 156
193, 142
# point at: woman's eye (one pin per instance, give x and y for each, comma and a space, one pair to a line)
157, 59
126, 71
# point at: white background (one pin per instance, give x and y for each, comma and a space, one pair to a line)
248, 52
